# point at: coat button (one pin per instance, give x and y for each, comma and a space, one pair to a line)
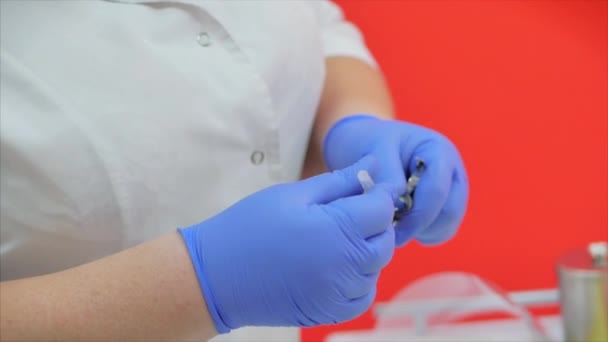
257, 157
203, 39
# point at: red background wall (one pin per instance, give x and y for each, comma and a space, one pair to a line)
521, 87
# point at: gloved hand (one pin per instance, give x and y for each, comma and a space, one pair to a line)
297, 254
440, 199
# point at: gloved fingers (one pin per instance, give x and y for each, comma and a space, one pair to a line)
329, 187
452, 214
390, 168
378, 252
362, 304
353, 308
364, 215
360, 285
431, 192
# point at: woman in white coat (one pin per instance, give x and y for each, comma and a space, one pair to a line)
123, 120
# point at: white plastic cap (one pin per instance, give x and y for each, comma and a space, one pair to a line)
598, 251
367, 183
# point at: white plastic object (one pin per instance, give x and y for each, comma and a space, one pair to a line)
433, 308
598, 249
366, 181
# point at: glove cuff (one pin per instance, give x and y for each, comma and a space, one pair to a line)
333, 129
190, 238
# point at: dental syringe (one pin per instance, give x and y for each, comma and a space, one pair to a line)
407, 199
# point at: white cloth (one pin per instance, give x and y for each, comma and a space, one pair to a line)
123, 120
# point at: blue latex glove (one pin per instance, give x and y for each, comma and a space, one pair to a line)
440, 199
297, 254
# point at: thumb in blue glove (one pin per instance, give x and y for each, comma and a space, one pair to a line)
298, 254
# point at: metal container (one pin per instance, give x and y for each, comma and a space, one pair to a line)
583, 287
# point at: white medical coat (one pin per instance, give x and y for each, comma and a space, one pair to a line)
123, 120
